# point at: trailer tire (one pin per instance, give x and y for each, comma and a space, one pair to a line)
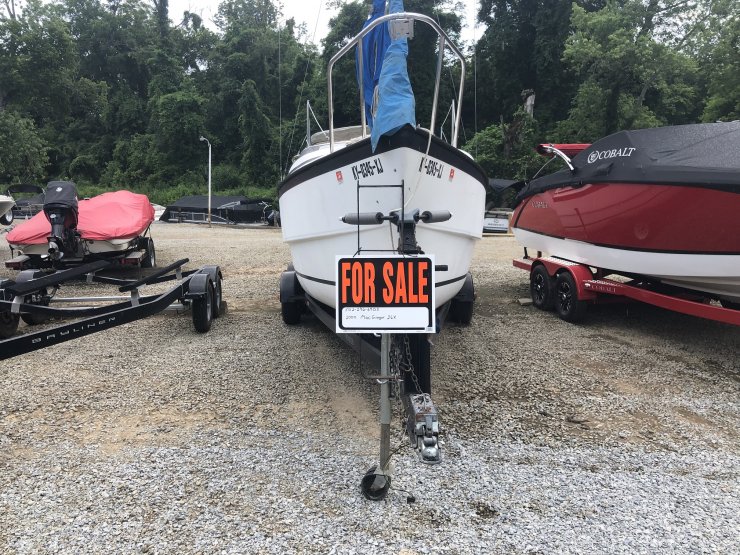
729, 304
215, 274
36, 319
203, 309
542, 288
462, 305
291, 312
8, 324
567, 304
149, 260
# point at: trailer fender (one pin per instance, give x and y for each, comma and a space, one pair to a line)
214, 272
581, 274
198, 285
290, 289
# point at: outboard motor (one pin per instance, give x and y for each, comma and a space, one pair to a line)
60, 208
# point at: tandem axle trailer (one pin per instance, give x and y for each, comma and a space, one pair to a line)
569, 287
32, 295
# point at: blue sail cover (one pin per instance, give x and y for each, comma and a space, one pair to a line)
396, 104
374, 45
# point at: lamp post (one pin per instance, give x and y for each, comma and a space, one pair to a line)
202, 138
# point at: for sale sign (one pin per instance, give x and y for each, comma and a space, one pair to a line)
385, 294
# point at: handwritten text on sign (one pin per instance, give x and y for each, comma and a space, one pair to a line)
385, 294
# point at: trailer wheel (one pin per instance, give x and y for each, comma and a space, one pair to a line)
292, 302
215, 274
36, 319
203, 309
8, 324
291, 312
541, 288
729, 304
217, 296
567, 304
149, 260
461, 307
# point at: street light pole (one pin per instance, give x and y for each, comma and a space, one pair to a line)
209, 178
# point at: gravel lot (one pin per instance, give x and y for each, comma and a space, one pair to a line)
616, 436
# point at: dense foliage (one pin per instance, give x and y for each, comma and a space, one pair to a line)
112, 94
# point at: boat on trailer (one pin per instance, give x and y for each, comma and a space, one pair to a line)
658, 206
70, 232
385, 187
6, 209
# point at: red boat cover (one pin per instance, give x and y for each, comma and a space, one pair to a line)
116, 215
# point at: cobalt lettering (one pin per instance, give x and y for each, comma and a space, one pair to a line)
613, 153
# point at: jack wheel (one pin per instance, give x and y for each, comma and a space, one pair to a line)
203, 309
8, 324
375, 484
541, 288
567, 304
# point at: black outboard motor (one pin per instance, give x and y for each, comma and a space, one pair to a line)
60, 208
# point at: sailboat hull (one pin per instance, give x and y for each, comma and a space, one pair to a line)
400, 174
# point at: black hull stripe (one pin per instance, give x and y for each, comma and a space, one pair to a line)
634, 249
407, 137
333, 284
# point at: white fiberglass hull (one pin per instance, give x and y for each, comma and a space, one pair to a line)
716, 274
6, 204
312, 207
111, 246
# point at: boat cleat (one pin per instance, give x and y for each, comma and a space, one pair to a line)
422, 426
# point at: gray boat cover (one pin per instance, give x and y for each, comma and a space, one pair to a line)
701, 155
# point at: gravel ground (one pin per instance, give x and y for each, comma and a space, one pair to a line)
616, 436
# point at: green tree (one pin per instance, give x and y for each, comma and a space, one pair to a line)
506, 150
22, 152
628, 78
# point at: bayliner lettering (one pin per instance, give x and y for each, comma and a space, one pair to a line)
431, 167
613, 153
74, 329
367, 169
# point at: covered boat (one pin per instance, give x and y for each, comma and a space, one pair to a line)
661, 203
67, 229
6, 209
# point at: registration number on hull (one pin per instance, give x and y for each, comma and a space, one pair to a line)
366, 169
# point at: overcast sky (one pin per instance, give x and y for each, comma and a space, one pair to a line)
305, 11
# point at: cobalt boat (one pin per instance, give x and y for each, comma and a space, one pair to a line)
659, 203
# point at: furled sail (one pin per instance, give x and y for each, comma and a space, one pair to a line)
396, 104
374, 46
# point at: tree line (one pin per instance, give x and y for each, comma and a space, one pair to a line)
111, 94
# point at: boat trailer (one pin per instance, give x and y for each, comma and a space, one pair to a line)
30, 295
402, 361
569, 287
